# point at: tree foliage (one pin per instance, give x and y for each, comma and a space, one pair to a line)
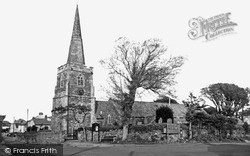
246, 127
34, 128
201, 116
210, 110
139, 65
165, 113
227, 98
194, 104
245, 112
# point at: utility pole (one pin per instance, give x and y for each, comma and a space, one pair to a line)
68, 109
13, 124
27, 119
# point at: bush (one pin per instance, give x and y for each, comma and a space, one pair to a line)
147, 128
108, 128
105, 128
34, 128
145, 138
1, 139
214, 138
184, 126
246, 127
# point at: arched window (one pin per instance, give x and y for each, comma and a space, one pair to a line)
109, 119
58, 81
61, 82
80, 80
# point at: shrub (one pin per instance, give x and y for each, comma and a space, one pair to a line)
145, 138
214, 138
147, 128
105, 128
246, 127
1, 139
184, 126
108, 128
34, 128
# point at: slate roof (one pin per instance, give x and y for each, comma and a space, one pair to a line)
140, 108
6, 123
103, 108
20, 122
146, 109
41, 121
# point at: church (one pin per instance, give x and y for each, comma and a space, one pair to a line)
75, 86
74, 83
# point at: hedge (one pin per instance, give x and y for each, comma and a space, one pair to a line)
136, 128
147, 128
105, 128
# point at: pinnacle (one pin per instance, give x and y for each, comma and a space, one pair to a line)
76, 54
77, 26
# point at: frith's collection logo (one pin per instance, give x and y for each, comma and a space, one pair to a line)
210, 28
34, 149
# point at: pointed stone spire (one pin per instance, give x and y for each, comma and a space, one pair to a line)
76, 53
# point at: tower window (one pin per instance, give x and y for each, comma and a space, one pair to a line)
80, 80
61, 83
61, 80
109, 119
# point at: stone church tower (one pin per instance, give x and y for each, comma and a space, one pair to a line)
74, 85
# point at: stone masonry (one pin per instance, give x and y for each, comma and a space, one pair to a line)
74, 85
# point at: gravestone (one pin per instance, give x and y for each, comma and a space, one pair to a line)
160, 121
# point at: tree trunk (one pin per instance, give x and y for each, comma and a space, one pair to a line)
125, 132
190, 130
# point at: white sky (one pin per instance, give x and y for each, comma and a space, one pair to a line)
35, 37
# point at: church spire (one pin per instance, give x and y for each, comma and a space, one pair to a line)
76, 53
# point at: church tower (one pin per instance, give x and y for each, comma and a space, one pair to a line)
74, 85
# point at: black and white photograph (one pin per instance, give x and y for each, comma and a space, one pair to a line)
124, 78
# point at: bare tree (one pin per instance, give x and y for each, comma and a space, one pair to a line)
139, 65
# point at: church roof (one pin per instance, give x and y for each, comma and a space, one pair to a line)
43, 121
103, 108
76, 53
145, 109
6, 123
140, 108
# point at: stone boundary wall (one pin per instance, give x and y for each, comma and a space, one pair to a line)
40, 138
144, 131
87, 135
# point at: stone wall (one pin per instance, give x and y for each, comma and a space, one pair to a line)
49, 138
87, 135
40, 138
1, 123
68, 91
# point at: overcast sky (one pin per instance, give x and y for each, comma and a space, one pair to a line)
35, 37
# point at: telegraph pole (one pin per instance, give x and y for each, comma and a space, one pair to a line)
68, 108
27, 119
13, 124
